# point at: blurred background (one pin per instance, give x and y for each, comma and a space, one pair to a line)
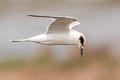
30, 61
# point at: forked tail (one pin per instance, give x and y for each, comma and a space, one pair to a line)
20, 40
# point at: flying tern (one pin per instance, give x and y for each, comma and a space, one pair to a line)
59, 32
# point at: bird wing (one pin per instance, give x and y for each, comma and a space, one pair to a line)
60, 24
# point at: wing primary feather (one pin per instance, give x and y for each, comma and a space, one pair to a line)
60, 24
44, 16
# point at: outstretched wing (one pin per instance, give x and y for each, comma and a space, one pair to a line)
60, 24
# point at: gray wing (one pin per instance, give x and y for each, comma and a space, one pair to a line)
60, 24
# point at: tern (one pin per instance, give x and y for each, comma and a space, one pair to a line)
59, 32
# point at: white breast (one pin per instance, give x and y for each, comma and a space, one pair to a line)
70, 38
74, 35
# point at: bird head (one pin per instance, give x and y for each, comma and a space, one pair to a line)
82, 42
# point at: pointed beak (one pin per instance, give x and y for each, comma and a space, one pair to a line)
81, 51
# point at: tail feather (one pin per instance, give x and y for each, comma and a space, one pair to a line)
20, 40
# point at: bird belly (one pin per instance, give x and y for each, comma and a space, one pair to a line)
53, 39
58, 42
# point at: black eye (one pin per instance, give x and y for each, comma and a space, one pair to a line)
81, 40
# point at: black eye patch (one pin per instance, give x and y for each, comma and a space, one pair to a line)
81, 40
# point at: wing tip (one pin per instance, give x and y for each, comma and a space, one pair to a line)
52, 16
41, 16
33, 15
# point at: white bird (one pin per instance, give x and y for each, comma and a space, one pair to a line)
59, 32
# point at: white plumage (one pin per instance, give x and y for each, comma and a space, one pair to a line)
59, 32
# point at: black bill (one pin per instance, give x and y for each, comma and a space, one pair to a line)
81, 52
